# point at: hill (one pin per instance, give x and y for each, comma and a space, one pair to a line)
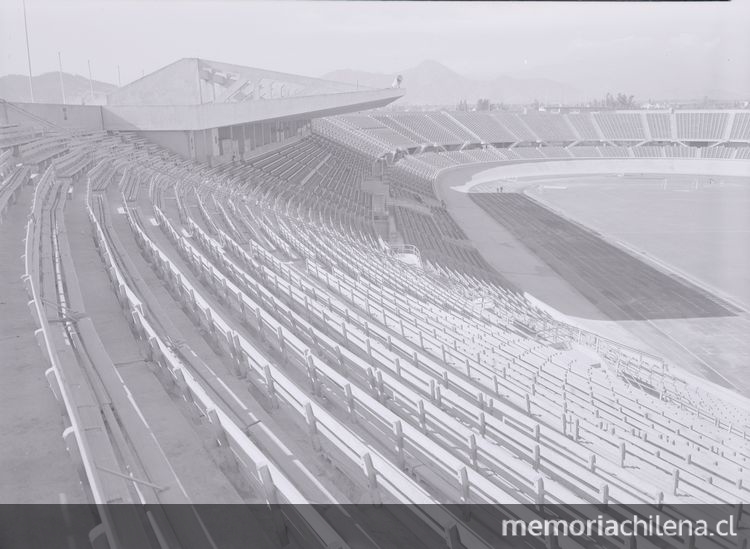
431, 83
15, 87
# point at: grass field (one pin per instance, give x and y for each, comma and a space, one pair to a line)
696, 227
620, 284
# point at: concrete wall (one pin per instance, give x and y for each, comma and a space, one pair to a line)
540, 168
207, 145
178, 142
68, 116
258, 151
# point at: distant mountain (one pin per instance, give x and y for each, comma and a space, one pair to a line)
15, 87
431, 83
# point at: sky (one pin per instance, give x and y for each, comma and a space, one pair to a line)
644, 48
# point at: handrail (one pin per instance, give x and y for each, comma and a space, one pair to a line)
404, 249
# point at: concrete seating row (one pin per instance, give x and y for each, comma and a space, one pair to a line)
11, 185
506, 128
372, 306
259, 468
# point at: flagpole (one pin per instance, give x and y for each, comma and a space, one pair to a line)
62, 83
28, 51
91, 83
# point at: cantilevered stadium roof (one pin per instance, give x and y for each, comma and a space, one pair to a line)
196, 94
193, 81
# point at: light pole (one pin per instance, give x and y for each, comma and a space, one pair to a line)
91, 82
28, 51
62, 83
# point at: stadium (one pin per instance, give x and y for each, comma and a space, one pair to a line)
231, 285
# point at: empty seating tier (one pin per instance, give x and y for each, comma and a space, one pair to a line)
584, 126
304, 362
621, 126
410, 130
488, 128
740, 127
701, 126
660, 125
516, 126
549, 127
426, 128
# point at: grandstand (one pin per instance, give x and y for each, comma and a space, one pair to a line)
629, 128
238, 317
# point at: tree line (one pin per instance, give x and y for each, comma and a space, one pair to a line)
609, 101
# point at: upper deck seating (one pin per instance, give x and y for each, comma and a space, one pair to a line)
660, 125
375, 128
411, 130
621, 126
443, 119
427, 129
584, 126
487, 127
359, 141
549, 127
515, 126
361, 121
389, 136
740, 127
701, 126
